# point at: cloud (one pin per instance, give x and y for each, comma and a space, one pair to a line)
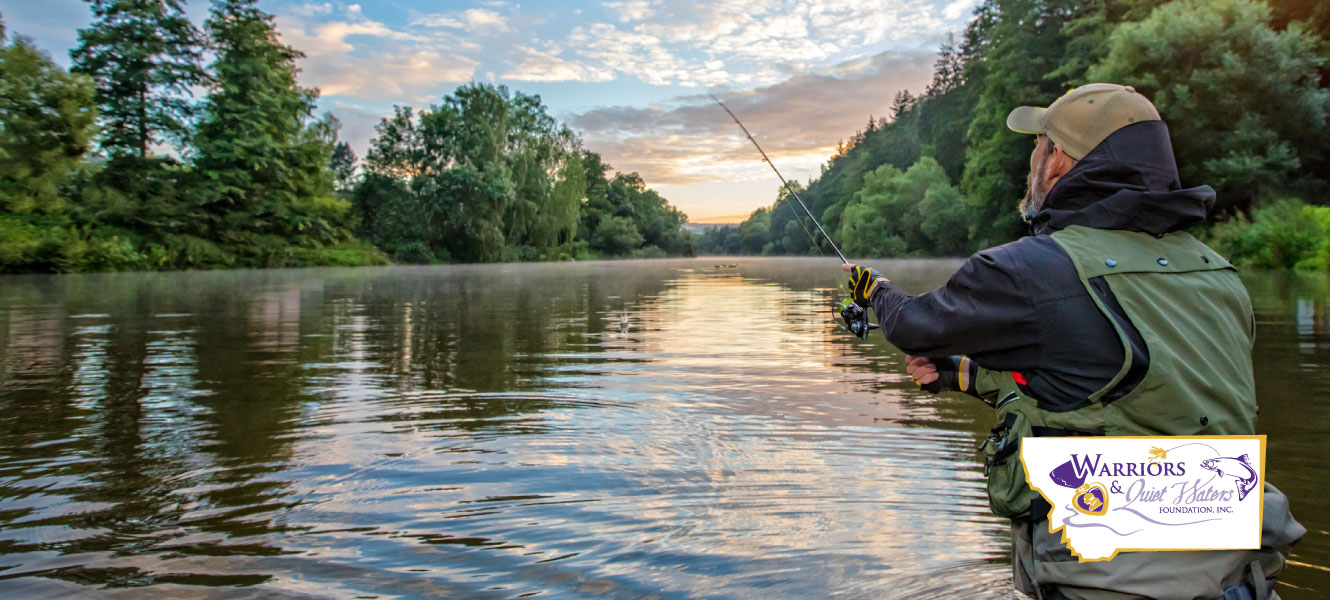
646, 57
331, 36
959, 8
545, 66
436, 20
401, 76
757, 42
798, 122
357, 125
633, 10
472, 20
479, 18
310, 9
390, 64
779, 29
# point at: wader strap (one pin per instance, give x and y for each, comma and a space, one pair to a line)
1034, 564
1257, 580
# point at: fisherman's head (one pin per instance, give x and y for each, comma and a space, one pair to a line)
1069, 129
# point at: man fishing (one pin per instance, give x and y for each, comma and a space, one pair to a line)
1108, 320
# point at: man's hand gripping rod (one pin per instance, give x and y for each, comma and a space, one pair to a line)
855, 318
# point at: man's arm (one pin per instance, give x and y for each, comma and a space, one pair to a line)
981, 311
954, 374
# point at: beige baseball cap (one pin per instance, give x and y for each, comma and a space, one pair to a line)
1083, 117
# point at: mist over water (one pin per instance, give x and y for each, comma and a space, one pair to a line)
628, 429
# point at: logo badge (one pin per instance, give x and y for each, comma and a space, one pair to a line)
1091, 499
1108, 494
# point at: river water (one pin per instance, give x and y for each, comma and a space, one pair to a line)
634, 429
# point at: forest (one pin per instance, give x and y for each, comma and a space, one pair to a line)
120, 163
1242, 85
113, 165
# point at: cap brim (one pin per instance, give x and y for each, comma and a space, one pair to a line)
1027, 119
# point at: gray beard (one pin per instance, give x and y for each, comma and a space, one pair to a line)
1033, 201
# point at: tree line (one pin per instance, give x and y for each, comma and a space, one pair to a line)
114, 165
1242, 85
489, 175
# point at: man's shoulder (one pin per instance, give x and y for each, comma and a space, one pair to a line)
1030, 255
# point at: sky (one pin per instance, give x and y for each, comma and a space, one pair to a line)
632, 77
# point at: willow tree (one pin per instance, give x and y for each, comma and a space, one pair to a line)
486, 175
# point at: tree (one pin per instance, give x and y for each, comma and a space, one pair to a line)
556, 225
915, 212
47, 121
617, 236
944, 111
1015, 52
488, 175
343, 166
261, 157
144, 56
1241, 100
902, 104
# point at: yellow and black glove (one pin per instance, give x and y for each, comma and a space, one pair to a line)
863, 282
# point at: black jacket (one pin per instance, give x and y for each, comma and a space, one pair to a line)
1022, 307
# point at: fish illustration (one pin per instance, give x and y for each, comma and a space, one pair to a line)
1237, 468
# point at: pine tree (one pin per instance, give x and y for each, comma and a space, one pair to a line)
902, 104
344, 166
264, 160
144, 57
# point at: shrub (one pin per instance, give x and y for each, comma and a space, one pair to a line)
1286, 234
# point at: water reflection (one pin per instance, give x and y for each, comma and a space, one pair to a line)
619, 429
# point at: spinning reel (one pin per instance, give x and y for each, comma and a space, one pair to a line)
854, 319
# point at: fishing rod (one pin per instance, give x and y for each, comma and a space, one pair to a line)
855, 318
787, 185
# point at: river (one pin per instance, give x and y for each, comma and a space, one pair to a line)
628, 429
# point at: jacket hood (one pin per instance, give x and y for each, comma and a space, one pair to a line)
1130, 182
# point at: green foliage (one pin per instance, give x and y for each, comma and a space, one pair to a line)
263, 162
343, 166
47, 116
144, 56
719, 240
616, 236
1286, 234
1016, 53
658, 223
1244, 93
917, 212
257, 193
489, 175
1241, 99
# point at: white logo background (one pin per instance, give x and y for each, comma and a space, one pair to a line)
1149, 493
